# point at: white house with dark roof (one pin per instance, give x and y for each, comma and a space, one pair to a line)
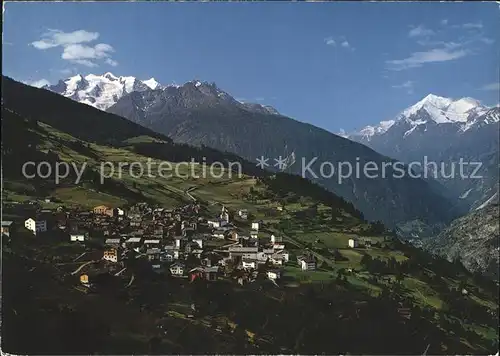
274, 274
133, 240
243, 213
198, 240
78, 236
112, 241
151, 242
282, 254
307, 263
180, 241
276, 239
248, 263
36, 225
219, 233
216, 223
177, 269
6, 227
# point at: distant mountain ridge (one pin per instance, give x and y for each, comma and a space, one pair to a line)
432, 109
444, 131
200, 113
100, 91
39, 125
103, 91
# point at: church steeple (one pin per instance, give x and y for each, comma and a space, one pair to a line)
224, 214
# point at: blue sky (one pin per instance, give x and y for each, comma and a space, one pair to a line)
334, 65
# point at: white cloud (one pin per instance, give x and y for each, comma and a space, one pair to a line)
469, 26
444, 22
420, 31
42, 44
440, 50
469, 42
448, 45
39, 83
491, 86
85, 62
111, 62
55, 38
487, 40
338, 40
408, 85
67, 71
85, 55
76, 48
417, 59
330, 41
78, 51
473, 25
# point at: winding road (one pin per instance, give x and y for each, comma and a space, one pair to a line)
83, 265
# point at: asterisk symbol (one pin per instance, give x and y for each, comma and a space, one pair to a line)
262, 162
280, 163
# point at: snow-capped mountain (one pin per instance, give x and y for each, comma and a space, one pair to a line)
432, 109
152, 83
444, 130
200, 113
369, 131
101, 91
264, 109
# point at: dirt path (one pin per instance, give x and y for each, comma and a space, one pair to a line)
83, 265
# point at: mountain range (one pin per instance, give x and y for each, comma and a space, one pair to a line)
401, 291
444, 131
432, 108
103, 91
200, 113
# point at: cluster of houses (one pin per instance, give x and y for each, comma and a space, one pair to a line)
176, 241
